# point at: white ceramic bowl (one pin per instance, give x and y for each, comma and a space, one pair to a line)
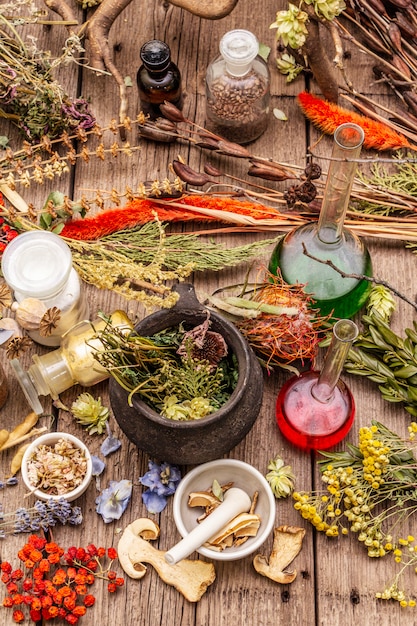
243, 476
50, 439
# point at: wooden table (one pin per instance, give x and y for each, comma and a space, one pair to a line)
336, 581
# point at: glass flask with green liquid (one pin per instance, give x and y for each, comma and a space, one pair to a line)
329, 240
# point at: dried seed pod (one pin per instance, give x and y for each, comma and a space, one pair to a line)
378, 6
17, 459
306, 192
29, 313
406, 27
155, 134
401, 66
4, 435
171, 112
394, 35
313, 171
163, 124
211, 170
49, 321
24, 427
268, 173
188, 175
208, 142
233, 149
401, 4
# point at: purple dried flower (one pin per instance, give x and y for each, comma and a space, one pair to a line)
78, 110
112, 502
162, 481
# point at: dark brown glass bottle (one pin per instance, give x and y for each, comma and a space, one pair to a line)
158, 78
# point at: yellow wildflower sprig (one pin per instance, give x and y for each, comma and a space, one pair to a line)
371, 491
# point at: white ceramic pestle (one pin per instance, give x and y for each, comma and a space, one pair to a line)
235, 501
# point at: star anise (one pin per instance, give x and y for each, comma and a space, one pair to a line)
49, 321
5, 296
17, 345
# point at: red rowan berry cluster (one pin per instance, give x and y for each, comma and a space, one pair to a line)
7, 233
55, 583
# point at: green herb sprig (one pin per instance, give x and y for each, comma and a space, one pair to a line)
387, 359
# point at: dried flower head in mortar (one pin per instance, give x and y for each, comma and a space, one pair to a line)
277, 320
181, 373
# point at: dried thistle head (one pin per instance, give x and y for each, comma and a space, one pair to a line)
49, 321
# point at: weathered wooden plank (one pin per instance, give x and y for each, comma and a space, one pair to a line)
336, 581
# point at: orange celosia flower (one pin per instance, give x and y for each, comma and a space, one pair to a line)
143, 211
328, 116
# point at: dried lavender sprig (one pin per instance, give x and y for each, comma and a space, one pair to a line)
42, 516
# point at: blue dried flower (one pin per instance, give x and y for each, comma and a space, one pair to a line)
162, 480
112, 502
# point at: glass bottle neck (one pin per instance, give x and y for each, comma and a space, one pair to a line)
348, 140
344, 334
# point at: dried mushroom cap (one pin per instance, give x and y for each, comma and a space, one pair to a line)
203, 498
191, 578
287, 544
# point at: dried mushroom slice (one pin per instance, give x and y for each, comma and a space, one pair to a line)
287, 544
245, 524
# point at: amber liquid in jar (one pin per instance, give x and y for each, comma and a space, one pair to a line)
158, 79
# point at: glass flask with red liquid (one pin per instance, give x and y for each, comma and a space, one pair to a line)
315, 410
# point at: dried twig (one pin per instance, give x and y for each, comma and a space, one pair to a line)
371, 279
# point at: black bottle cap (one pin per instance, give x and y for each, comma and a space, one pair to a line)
155, 55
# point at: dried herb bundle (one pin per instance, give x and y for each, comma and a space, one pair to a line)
30, 96
167, 371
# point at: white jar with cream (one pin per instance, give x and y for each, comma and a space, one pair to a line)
38, 264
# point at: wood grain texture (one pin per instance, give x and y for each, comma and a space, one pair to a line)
336, 581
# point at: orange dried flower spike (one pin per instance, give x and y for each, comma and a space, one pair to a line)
328, 116
141, 211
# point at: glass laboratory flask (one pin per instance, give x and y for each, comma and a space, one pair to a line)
329, 240
315, 410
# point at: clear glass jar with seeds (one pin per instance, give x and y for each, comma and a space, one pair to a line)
237, 89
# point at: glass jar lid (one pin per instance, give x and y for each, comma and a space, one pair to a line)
37, 264
239, 48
